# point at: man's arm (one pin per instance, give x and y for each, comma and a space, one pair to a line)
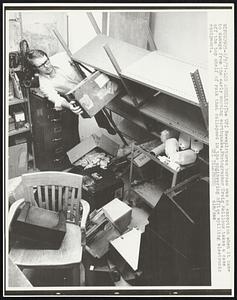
49, 91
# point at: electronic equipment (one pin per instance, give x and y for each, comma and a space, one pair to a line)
22, 69
20, 119
14, 59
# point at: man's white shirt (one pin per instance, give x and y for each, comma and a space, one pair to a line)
65, 79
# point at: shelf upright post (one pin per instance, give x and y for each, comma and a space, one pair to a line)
94, 23
200, 95
150, 39
31, 129
131, 172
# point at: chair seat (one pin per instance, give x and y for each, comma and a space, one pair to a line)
68, 254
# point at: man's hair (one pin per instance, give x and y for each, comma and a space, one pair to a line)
34, 53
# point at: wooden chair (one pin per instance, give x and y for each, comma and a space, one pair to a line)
54, 191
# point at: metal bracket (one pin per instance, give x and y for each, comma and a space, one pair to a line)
94, 23
67, 50
200, 95
150, 39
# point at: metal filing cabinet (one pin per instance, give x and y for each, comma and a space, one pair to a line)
54, 133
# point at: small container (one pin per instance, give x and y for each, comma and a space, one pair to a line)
196, 145
185, 157
158, 150
171, 147
168, 134
184, 141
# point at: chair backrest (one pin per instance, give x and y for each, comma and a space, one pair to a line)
54, 191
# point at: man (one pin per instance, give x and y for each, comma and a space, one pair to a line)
57, 76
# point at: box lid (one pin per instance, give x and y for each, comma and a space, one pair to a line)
103, 142
115, 209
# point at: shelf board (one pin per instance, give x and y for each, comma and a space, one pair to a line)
15, 101
167, 74
167, 167
134, 131
150, 192
18, 131
94, 55
179, 115
128, 112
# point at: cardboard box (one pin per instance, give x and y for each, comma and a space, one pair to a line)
93, 93
18, 163
87, 145
119, 213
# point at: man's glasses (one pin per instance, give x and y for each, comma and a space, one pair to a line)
43, 64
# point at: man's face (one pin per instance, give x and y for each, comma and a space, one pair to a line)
43, 65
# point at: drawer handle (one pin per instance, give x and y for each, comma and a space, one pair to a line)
58, 160
57, 129
56, 139
55, 120
59, 150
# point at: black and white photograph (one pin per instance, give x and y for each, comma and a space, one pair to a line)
118, 161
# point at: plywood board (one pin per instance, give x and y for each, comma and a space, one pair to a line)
167, 74
94, 55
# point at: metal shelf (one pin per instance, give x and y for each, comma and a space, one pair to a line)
18, 131
14, 101
150, 192
181, 116
128, 112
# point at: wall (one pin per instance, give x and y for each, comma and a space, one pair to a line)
35, 27
130, 27
37, 30
14, 30
80, 28
182, 34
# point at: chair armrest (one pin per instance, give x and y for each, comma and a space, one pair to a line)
85, 213
13, 210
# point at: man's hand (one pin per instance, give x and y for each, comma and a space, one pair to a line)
75, 108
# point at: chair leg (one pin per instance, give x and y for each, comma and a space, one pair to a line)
82, 275
76, 275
